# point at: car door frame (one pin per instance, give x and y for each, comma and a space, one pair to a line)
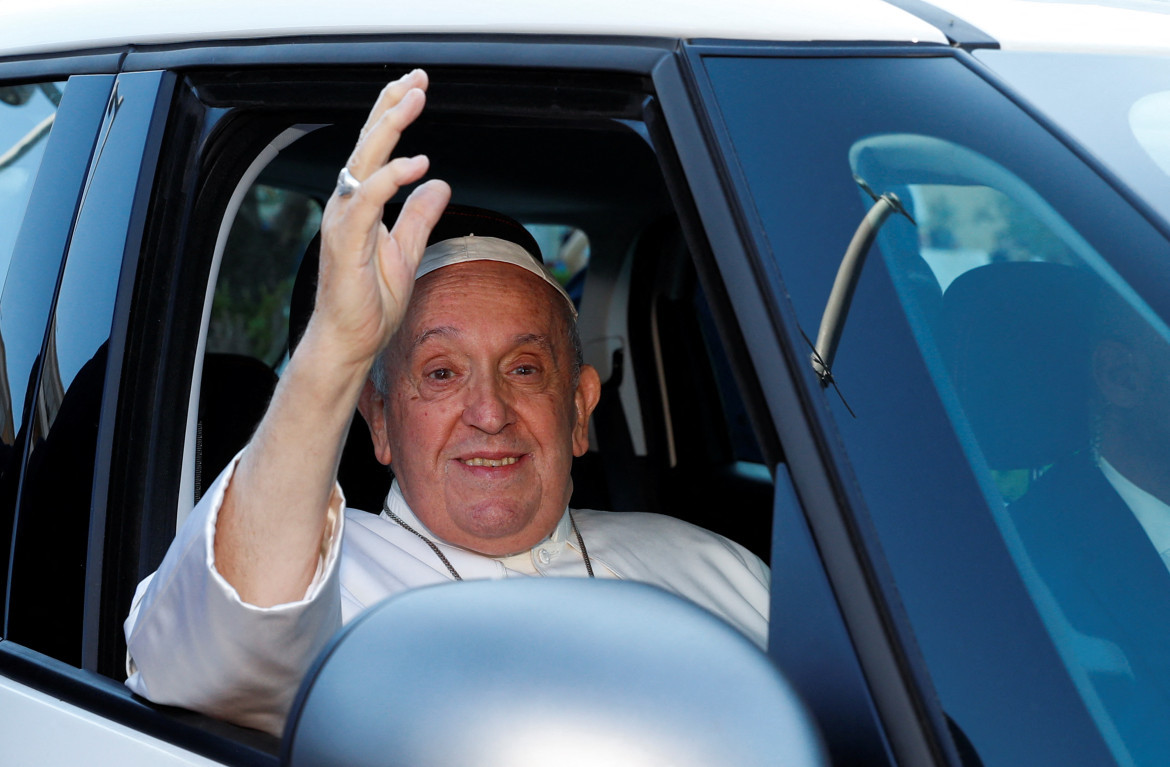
854, 570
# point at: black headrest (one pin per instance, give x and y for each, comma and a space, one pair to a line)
1016, 338
456, 221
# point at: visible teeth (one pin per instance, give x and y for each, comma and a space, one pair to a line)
490, 462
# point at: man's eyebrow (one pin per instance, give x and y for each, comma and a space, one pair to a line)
443, 331
535, 339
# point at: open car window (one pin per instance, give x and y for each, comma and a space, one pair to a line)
671, 434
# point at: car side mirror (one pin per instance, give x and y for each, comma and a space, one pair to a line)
524, 672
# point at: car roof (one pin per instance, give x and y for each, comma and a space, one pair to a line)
71, 25
1085, 26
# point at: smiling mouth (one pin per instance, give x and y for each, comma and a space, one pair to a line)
493, 462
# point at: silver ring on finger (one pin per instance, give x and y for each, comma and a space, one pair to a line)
346, 183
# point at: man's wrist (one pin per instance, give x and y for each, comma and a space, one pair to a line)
325, 365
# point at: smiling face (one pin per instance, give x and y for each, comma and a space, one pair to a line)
482, 417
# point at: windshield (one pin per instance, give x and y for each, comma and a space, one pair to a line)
1118, 107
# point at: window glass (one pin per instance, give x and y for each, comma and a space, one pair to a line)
1117, 106
49, 561
1056, 376
1149, 119
961, 227
1006, 338
566, 251
27, 113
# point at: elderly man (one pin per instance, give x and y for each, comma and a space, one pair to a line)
479, 402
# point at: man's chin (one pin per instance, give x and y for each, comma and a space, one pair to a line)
499, 527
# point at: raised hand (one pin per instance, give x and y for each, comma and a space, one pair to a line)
270, 526
367, 272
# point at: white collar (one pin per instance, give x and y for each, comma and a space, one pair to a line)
553, 543
1152, 514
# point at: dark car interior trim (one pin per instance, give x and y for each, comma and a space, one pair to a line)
58, 65
632, 55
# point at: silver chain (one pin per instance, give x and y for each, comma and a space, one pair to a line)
581, 543
451, 568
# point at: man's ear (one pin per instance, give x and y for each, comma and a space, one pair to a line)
585, 400
372, 406
1121, 374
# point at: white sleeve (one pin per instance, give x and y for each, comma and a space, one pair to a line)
192, 642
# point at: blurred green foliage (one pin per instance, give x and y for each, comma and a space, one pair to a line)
249, 312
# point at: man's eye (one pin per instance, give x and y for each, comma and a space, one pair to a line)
525, 370
440, 374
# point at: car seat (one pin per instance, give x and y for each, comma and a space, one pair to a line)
1015, 337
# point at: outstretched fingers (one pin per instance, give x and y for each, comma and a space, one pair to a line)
359, 215
359, 218
383, 130
392, 93
402, 248
385, 182
366, 272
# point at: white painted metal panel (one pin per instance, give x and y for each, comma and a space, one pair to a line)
56, 25
1102, 26
38, 729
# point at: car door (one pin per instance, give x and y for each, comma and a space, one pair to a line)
66, 301
968, 381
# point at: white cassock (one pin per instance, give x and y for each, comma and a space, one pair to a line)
192, 641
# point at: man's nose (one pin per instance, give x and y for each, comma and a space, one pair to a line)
487, 407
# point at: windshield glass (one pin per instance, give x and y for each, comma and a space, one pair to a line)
1117, 106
